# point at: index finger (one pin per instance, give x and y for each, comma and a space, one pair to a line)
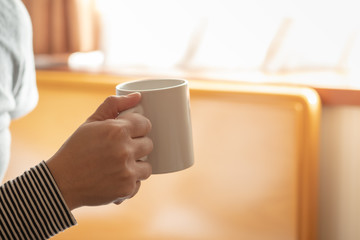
112, 105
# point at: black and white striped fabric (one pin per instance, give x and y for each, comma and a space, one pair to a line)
32, 207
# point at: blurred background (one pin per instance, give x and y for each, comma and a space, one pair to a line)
210, 39
275, 98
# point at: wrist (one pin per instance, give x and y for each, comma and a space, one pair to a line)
58, 173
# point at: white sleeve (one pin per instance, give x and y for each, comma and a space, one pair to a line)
18, 92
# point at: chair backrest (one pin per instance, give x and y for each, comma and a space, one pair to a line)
256, 159
255, 171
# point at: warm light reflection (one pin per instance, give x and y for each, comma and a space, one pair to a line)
269, 36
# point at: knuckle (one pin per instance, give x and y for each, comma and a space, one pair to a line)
116, 130
126, 175
106, 130
110, 100
126, 153
123, 130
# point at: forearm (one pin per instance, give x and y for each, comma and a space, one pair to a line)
32, 207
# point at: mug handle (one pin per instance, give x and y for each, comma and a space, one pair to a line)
137, 109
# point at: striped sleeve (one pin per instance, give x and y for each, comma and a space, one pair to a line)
32, 207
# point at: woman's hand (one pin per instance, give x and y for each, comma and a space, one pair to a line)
99, 163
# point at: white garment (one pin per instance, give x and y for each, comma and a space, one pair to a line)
18, 92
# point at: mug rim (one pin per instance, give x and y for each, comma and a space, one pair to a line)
181, 82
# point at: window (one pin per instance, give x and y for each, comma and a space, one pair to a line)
232, 38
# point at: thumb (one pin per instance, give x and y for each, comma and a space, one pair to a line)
113, 105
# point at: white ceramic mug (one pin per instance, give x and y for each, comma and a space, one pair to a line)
165, 102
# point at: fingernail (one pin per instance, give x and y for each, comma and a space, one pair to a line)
118, 202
